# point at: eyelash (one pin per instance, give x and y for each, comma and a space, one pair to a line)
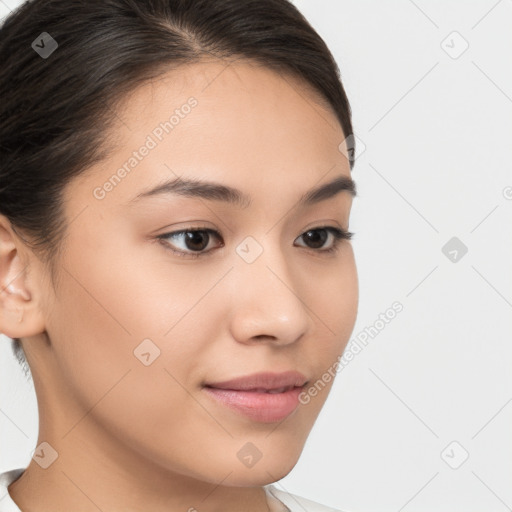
339, 235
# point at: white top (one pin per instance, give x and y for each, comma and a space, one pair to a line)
278, 500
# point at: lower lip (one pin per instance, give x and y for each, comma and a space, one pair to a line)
262, 407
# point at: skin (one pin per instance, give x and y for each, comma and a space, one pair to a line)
131, 437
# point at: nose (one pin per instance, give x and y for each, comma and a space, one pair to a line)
266, 303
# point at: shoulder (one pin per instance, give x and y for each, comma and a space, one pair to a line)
6, 479
297, 503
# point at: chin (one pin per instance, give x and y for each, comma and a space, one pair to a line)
266, 471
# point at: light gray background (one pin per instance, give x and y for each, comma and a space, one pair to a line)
434, 385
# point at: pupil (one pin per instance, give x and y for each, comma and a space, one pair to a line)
316, 239
195, 237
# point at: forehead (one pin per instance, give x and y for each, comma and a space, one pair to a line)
247, 97
236, 122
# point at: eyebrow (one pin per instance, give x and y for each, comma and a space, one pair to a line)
212, 191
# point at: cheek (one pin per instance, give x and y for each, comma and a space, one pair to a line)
125, 305
105, 309
333, 296
333, 303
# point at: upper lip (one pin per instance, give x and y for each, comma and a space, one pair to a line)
263, 380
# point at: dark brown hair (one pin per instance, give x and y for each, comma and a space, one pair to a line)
56, 107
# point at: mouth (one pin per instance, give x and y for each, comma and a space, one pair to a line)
263, 397
271, 391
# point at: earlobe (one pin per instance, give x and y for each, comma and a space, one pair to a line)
20, 315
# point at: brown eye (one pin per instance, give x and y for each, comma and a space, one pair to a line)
192, 242
196, 240
316, 238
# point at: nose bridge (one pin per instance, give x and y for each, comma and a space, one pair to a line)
266, 302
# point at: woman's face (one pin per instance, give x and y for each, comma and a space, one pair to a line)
136, 330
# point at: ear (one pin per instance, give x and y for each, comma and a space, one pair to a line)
20, 315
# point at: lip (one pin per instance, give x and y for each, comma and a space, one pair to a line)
262, 380
252, 395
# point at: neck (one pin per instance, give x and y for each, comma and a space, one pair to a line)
91, 476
